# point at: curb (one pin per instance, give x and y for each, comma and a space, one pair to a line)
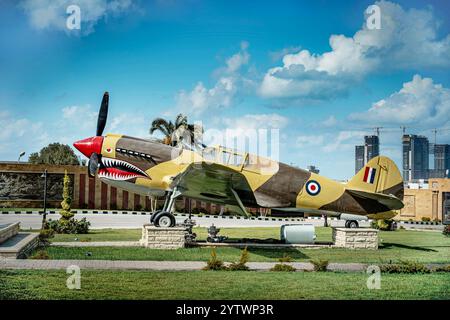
100, 212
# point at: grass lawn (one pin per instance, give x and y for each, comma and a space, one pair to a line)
38, 284
420, 246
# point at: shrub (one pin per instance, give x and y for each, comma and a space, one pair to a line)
404, 267
283, 267
426, 219
40, 255
446, 231
285, 258
214, 263
44, 236
442, 269
138, 207
241, 264
71, 226
383, 224
320, 265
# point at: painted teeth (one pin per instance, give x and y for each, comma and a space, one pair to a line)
115, 176
108, 162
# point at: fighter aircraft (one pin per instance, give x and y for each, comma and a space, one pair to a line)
236, 179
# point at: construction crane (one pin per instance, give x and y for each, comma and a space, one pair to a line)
377, 130
435, 131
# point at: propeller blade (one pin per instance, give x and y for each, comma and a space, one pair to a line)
102, 114
93, 165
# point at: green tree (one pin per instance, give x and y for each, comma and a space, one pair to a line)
174, 132
55, 153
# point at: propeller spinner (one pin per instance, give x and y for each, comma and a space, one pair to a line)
92, 147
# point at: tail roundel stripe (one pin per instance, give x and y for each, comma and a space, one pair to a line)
366, 174
369, 175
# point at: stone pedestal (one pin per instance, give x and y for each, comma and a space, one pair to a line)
355, 238
163, 238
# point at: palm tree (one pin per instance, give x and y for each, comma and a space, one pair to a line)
178, 131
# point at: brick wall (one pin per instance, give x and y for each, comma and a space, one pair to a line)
425, 203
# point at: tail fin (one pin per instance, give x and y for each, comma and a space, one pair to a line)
380, 175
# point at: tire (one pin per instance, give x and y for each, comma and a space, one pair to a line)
152, 217
164, 220
353, 224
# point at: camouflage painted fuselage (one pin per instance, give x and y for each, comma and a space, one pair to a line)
149, 167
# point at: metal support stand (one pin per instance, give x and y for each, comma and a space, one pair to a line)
44, 216
170, 200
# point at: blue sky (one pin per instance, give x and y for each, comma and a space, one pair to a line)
229, 64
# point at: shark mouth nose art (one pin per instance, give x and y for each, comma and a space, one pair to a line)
115, 169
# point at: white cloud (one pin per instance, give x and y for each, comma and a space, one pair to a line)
256, 121
51, 14
408, 39
71, 124
419, 102
224, 91
201, 98
329, 142
236, 61
345, 140
19, 134
331, 121
309, 141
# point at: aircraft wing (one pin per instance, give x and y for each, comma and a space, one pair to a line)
215, 183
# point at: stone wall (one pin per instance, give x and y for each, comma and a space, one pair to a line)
355, 238
163, 238
21, 184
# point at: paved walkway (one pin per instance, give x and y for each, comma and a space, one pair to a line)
97, 244
81, 244
157, 265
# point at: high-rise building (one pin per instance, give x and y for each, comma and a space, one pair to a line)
441, 161
359, 158
369, 150
372, 147
415, 157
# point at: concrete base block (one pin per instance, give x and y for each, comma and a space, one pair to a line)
355, 238
19, 246
163, 238
8, 231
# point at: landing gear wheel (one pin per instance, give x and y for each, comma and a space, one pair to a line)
154, 214
164, 220
351, 224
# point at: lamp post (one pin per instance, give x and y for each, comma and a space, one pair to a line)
20, 156
44, 216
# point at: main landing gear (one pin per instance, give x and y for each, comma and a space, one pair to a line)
164, 218
351, 224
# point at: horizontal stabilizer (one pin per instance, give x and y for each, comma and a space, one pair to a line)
390, 201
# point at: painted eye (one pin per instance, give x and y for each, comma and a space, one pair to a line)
108, 150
